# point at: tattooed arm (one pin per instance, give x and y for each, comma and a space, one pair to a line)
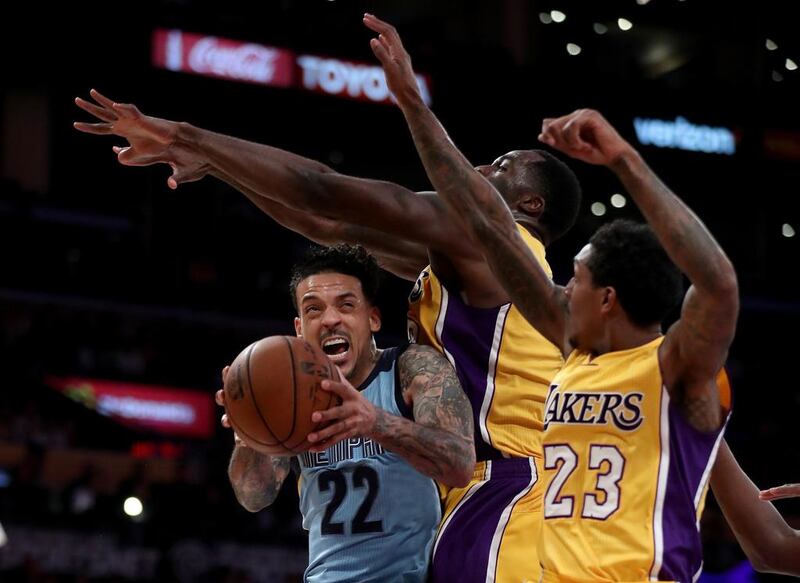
470, 197
256, 477
439, 442
769, 543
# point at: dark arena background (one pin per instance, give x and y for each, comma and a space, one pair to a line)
121, 300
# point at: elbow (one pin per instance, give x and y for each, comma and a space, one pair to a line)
462, 473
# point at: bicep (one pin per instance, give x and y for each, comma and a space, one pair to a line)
696, 346
437, 397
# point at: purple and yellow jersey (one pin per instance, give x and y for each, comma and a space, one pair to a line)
625, 475
505, 366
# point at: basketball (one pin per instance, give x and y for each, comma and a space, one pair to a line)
271, 390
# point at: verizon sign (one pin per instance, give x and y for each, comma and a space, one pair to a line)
210, 56
163, 409
214, 57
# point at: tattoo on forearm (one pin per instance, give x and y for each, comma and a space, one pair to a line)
440, 440
256, 478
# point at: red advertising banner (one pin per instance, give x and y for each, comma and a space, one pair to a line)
227, 59
186, 52
167, 410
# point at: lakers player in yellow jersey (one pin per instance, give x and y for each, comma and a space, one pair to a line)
505, 366
634, 419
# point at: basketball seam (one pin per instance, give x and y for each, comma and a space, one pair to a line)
294, 390
331, 398
255, 402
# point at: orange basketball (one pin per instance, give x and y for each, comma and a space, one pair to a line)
271, 390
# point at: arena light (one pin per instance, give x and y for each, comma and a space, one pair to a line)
558, 16
133, 507
624, 24
790, 65
642, 2
771, 45
600, 28
787, 230
545, 17
598, 209
618, 201
573, 49
777, 77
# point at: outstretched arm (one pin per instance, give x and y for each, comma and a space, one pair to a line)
439, 442
291, 180
695, 348
770, 544
470, 196
403, 258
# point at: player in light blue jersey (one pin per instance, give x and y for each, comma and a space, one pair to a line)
366, 490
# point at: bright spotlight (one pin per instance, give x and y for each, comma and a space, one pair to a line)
573, 49
771, 45
624, 24
558, 16
787, 230
132, 506
790, 65
618, 201
600, 28
598, 209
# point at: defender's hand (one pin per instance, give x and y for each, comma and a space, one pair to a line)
585, 135
219, 397
778, 492
394, 59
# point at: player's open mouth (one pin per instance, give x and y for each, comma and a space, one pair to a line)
337, 348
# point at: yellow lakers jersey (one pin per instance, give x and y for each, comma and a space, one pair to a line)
505, 366
625, 476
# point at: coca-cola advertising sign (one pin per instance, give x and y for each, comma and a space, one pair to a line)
227, 59
211, 56
167, 410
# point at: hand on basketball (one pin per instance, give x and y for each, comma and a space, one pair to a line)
151, 140
778, 492
354, 417
393, 57
219, 397
585, 135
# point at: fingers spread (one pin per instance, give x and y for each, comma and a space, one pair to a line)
98, 112
100, 98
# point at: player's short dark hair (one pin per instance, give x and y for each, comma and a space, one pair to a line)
351, 260
558, 185
628, 257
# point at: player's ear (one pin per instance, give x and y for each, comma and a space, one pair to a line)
374, 319
298, 327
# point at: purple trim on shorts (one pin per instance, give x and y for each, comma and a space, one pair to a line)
467, 334
463, 551
690, 453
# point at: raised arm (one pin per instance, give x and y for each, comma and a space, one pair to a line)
696, 346
286, 178
439, 442
770, 544
470, 196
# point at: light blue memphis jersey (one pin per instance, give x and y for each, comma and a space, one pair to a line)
370, 515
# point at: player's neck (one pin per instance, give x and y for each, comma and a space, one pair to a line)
530, 225
365, 366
